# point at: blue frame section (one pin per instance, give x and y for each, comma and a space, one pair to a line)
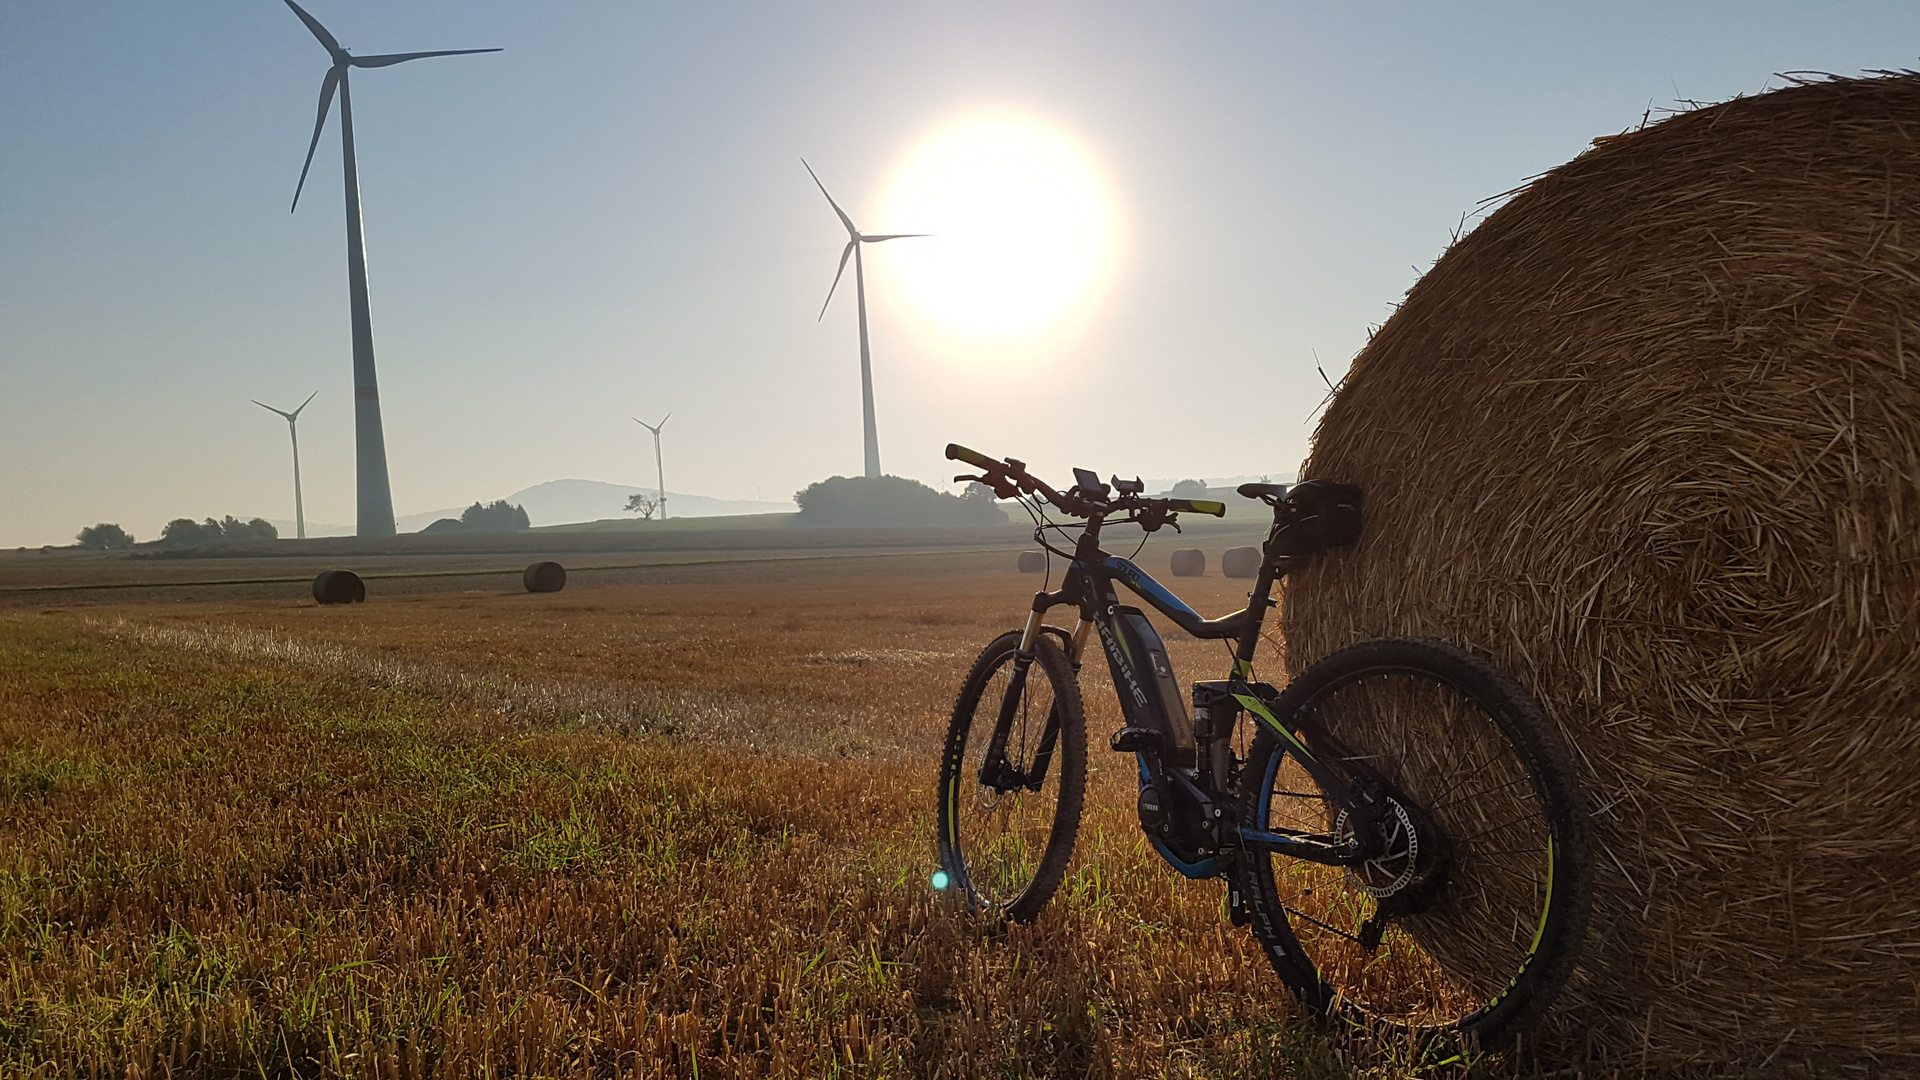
1154, 593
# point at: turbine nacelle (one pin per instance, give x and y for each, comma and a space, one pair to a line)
291, 416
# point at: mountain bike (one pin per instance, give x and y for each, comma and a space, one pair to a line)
1400, 826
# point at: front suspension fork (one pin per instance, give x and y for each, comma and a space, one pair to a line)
996, 771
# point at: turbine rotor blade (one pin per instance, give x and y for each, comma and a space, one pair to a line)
844, 219
319, 31
893, 236
844, 252
303, 405
390, 59
271, 409
327, 87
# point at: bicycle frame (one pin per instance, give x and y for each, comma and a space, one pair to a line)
1089, 587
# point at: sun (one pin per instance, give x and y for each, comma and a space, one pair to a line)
1024, 223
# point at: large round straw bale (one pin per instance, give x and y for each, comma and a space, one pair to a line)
1189, 562
1649, 437
1241, 562
544, 577
339, 587
1033, 562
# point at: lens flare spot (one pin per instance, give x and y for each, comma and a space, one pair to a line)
940, 880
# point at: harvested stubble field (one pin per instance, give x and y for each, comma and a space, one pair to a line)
674, 826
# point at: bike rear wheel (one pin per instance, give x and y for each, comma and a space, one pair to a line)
1472, 917
1007, 828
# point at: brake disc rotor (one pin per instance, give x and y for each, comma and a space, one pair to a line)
1391, 870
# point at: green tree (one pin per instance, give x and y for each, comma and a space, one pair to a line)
105, 537
891, 501
186, 532
1189, 489
496, 516
232, 528
642, 504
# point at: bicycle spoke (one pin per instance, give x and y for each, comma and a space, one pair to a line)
1484, 791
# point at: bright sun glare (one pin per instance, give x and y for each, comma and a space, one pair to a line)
1025, 230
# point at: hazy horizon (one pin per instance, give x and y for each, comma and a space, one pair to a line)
610, 219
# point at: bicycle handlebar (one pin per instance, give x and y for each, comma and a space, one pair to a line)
956, 452
1075, 502
1196, 506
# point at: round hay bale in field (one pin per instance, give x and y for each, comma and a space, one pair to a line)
544, 577
339, 587
1241, 562
1033, 562
1189, 562
1649, 437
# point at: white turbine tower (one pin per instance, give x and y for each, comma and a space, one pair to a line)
375, 496
659, 471
854, 239
293, 429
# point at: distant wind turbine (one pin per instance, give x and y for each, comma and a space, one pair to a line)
659, 472
854, 239
293, 429
370, 444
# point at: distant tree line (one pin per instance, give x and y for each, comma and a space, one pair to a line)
895, 501
186, 532
180, 532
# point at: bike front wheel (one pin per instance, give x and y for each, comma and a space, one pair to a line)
1471, 914
1012, 780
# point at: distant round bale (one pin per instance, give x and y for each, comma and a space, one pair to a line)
545, 577
339, 587
1241, 562
1189, 562
1649, 438
1033, 562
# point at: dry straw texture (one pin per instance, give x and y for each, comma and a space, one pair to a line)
1649, 436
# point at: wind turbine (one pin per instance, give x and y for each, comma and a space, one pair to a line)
854, 239
370, 444
293, 429
658, 472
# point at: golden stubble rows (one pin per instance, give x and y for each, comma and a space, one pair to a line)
261, 838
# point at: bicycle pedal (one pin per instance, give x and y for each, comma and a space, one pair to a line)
1134, 740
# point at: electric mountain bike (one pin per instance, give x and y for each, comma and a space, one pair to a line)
1399, 825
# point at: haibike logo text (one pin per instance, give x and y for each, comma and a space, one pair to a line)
1120, 661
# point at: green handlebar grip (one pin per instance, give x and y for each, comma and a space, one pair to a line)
956, 452
1198, 506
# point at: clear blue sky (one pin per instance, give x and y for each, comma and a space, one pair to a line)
610, 218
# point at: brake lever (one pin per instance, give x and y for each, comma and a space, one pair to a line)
1001, 488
